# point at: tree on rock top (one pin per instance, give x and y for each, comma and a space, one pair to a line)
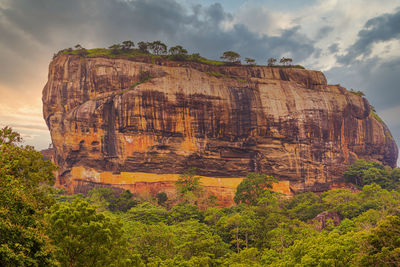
286, 61
271, 61
158, 47
250, 61
127, 45
178, 52
143, 47
231, 57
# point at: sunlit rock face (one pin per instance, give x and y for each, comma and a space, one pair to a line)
115, 121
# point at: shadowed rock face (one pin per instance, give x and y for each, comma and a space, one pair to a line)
124, 116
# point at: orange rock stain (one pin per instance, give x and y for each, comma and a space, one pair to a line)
136, 143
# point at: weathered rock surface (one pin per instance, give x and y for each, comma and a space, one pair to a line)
323, 219
127, 117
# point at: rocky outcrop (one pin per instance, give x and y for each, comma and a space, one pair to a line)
324, 219
125, 119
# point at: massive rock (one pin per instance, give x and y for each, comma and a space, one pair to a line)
139, 123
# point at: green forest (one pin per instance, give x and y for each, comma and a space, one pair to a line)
43, 226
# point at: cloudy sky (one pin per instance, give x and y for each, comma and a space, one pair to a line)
356, 43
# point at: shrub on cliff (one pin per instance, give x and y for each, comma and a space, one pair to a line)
81, 51
188, 182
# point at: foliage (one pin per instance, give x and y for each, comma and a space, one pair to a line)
252, 187
84, 237
148, 214
158, 47
23, 199
376, 116
250, 61
127, 45
81, 51
382, 246
240, 227
161, 198
246, 257
115, 49
143, 47
113, 201
197, 58
188, 182
357, 93
184, 212
342, 201
215, 74
321, 249
231, 57
305, 206
272, 232
286, 61
198, 239
271, 61
367, 172
177, 53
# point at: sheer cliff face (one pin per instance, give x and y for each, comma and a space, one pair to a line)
123, 119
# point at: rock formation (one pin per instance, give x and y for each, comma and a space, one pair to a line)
139, 123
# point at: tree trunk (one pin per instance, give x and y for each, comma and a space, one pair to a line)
237, 239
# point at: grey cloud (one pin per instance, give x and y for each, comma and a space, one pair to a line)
378, 78
53, 25
324, 31
382, 28
216, 13
334, 48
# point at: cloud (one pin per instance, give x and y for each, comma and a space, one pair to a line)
324, 31
33, 30
385, 27
378, 78
333, 48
